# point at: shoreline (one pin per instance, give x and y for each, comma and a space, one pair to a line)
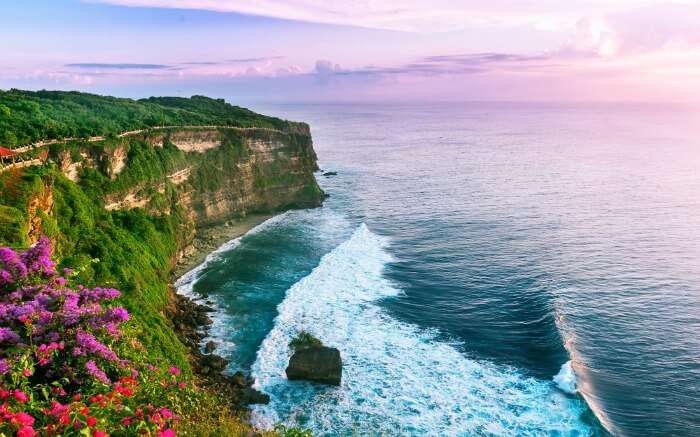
192, 319
209, 239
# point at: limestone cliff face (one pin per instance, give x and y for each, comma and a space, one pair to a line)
211, 175
272, 171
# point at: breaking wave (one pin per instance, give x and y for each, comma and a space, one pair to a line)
397, 378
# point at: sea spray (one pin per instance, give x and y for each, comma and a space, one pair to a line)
397, 378
566, 378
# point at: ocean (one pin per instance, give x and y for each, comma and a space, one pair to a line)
485, 269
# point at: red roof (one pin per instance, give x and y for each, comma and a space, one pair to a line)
6, 152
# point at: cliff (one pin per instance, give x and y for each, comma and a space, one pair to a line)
123, 207
209, 176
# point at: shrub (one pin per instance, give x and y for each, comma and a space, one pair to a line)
59, 372
304, 340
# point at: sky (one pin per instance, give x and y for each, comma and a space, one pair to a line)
357, 50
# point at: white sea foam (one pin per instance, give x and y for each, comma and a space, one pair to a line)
397, 379
566, 378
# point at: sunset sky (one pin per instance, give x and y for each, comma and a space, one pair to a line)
361, 50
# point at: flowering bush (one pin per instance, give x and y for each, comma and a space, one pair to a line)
59, 372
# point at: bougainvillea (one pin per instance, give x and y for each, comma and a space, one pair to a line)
59, 372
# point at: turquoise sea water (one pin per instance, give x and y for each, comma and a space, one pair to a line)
485, 269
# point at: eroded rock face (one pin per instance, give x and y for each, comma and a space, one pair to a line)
318, 364
39, 205
228, 173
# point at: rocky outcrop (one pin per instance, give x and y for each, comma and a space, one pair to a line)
317, 363
116, 160
72, 163
40, 206
191, 321
188, 140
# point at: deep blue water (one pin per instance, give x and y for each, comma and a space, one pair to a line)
467, 252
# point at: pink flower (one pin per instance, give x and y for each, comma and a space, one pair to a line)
98, 433
96, 372
24, 419
4, 366
27, 373
58, 409
20, 396
166, 433
26, 431
166, 413
174, 370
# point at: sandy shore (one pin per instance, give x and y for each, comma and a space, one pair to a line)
210, 239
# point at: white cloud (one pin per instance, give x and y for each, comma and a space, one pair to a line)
415, 15
593, 36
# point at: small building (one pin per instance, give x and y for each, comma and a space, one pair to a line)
6, 153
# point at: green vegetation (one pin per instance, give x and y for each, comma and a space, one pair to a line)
304, 340
126, 249
27, 116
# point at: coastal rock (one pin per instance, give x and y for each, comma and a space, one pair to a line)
317, 363
209, 347
330, 173
214, 362
250, 396
239, 379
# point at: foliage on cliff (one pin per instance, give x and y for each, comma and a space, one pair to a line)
133, 249
60, 370
27, 116
62, 365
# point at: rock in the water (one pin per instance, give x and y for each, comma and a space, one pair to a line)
318, 363
209, 347
330, 173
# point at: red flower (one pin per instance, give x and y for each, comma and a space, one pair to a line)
127, 380
20, 396
91, 421
98, 433
23, 419
27, 373
26, 431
